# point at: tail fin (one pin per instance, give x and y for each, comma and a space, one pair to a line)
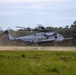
9, 36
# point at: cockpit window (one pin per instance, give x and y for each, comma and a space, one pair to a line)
60, 35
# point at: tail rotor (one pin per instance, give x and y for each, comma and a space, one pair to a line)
2, 32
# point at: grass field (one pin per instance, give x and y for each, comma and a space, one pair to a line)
37, 62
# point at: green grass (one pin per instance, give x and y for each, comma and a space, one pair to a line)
37, 63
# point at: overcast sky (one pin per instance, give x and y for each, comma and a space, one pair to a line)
30, 13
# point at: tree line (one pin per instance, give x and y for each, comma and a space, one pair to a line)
67, 31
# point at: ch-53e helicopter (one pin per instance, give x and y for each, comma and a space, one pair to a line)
40, 37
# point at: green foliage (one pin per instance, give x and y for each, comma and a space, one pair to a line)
73, 27
23, 55
37, 63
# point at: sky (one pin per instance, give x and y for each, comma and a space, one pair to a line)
31, 13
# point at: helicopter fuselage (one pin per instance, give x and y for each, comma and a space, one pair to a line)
41, 37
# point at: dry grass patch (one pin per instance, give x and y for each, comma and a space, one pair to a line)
24, 48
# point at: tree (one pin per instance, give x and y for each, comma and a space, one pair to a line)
73, 27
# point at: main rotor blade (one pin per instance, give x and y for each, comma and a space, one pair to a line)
1, 29
20, 27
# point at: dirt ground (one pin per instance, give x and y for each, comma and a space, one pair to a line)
24, 48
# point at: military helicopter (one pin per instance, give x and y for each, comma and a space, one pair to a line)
40, 37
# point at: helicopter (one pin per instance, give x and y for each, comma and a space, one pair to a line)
41, 37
